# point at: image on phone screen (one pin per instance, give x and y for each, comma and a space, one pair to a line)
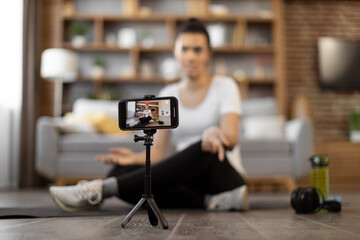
148, 114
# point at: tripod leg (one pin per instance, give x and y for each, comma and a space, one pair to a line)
152, 217
132, 212
157, 212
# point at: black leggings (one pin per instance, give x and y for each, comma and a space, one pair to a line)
180, 181
145, 120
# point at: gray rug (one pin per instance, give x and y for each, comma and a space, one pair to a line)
49, 211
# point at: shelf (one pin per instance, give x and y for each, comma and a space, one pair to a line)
256, 81
135, 79
166, 17
244, 49
166, 48
158, 79
93, 47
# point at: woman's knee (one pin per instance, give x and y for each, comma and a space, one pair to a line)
117, 170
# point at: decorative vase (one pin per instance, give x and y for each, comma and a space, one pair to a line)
97, 72
169, 69
355, 136
126, 37
217, 34
78, 41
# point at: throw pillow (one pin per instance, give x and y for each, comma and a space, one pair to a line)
68, 126
102, 121
263, 127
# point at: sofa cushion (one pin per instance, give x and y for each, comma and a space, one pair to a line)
263, 127
278, 145
259, 107
84, 106
88, 142
267, 163
259, 112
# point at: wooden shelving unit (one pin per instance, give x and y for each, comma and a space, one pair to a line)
93, 47
137, 79
238, 45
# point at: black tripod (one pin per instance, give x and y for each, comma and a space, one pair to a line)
153, 210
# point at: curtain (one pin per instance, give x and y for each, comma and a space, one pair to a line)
30, 102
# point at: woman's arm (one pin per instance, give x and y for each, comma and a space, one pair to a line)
229, 125
161, 145
124, 156
218, 139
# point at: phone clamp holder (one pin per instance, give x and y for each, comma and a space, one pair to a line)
153, 210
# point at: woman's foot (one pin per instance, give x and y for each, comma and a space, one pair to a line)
83, 196
236, 199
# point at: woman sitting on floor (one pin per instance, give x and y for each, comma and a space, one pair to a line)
205, 172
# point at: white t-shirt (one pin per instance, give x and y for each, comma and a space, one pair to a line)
223, 97
146, 113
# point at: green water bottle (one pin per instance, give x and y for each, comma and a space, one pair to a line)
320, 173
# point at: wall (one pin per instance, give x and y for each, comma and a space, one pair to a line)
5, 146
305, 21
11, 94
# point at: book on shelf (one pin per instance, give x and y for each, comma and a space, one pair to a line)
196, 7
129, 7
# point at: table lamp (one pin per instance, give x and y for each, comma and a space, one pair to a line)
59, 65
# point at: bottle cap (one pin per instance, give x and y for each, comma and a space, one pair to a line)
319, 160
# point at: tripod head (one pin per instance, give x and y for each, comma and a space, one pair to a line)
148, 138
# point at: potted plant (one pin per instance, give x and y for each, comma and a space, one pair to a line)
354, 123
78, 31
98, 68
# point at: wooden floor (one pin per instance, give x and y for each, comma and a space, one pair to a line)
270, 218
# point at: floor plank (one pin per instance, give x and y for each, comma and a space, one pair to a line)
270, 217
138, 228
215, 225
282, 225
347, 221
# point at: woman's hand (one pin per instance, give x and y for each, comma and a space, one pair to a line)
118, 156
214, 141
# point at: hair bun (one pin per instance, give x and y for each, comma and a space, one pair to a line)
193, 20
194, 25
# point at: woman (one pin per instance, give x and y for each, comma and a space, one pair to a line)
146, 116
206, 170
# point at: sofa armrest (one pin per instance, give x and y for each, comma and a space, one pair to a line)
47, 144
301, 135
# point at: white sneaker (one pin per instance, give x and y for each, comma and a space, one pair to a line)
83, 196
236, 199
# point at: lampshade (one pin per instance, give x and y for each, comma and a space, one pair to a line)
59, 63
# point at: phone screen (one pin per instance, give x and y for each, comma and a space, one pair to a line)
148, 113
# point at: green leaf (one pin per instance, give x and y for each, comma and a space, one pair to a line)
354, 121
78, 28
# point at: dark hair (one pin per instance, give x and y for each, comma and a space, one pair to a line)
193, 25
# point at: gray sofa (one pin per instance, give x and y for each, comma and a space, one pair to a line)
62, 156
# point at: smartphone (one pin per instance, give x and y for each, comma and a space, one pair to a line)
148, 113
